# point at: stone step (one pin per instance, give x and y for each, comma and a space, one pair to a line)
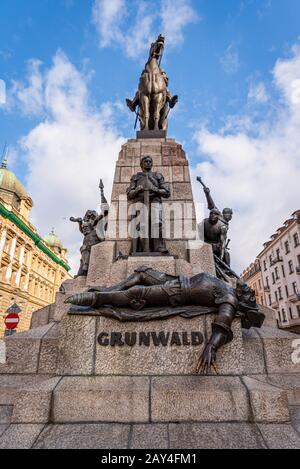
26, 398
125, 399
146, 436
33, 351
5, 414
42, 316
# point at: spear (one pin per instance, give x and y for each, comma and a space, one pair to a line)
101, 187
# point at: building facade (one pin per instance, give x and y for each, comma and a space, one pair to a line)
277, 270
252, 275
31, 268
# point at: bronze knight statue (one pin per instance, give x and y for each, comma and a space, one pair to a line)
92, 226
149, 294
215, 227
153, 99
146, 190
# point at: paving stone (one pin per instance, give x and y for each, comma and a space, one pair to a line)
20, 436
215, 436
32, 404
84, 436
280, 436
198, 399
77, 345
102, 399
150, 436
268, 403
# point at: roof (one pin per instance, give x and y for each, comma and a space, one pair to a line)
9, 182
53, 240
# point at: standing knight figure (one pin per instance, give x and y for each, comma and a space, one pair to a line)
92, 226
153, 98
146, 190
216, 227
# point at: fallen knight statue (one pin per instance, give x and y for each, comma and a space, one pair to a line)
150, 295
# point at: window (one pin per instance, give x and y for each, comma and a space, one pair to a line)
296, 240
287, 247
291, 313
280, 293
276, 273
298, 310
298, 257
287, 291
265, 266
270, 259
295, 287
273, 278
267, 280
259, 284
276, 296
261, 300
283, 271
283, 316
270, 300
291, 267
277, 253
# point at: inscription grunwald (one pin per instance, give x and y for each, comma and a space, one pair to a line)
157, 339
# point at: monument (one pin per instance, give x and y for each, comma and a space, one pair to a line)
156, 343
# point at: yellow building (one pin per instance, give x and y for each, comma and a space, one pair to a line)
32, 269
252, 275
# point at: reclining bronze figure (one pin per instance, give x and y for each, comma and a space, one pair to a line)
149, 294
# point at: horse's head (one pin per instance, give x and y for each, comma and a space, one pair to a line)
157, 47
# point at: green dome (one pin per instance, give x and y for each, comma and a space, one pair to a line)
53, 240
10, 183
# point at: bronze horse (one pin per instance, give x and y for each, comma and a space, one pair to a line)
152, 88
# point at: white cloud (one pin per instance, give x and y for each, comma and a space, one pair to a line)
67, 152
29, 96
287, 77
176, 15
258, 93
230, 61
2, 92
170, 18
256, 170
107, 17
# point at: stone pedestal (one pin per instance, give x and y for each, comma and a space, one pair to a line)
91, 382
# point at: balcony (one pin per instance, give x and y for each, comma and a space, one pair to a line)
294, 298
275, 305
276, 260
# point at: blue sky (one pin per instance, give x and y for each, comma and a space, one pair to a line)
233, 63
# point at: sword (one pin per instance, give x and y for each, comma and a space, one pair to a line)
137, 116
147, 205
